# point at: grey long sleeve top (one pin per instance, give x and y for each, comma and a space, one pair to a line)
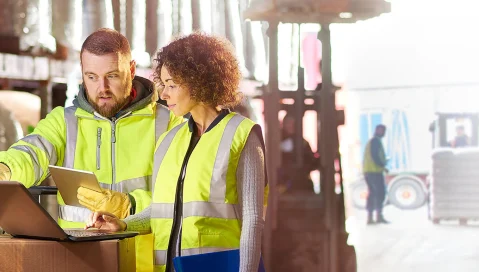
250, 176
377, 152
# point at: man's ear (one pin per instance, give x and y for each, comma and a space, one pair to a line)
133, 68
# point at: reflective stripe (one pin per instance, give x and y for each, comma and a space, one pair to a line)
73, 214
162, 210
71, 122
161, 151
105, 185
129, 185
160, 257
161, 120
125, 186
44, 144
220, 168
35, 161
197, 208
195, 251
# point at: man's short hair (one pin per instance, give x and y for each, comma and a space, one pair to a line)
106, 41
381, 126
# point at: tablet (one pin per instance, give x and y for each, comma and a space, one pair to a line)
69, 180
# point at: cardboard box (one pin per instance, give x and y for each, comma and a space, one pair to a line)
40, 255
10, 44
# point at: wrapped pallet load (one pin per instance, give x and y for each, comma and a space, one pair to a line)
455, 184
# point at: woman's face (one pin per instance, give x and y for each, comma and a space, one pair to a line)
177, 97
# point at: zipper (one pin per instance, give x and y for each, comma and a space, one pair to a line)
178, 208
113, 141
98, 145
113, 122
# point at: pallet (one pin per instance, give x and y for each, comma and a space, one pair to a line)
461, 221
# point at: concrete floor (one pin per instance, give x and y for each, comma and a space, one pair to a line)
412, 243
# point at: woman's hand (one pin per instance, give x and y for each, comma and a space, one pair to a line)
105, 221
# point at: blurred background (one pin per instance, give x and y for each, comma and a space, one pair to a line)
341, 67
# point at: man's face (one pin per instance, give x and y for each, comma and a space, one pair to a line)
108, 81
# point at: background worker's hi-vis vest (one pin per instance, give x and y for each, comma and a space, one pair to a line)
210, 201
369, 166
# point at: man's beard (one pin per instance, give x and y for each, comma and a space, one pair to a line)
108, 110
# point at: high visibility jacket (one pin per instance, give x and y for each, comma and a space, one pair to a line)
118, 150
369, 166
210, 216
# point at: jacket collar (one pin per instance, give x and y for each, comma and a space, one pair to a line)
223, 113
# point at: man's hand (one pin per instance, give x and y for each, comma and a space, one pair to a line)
110, 201
105, 221
5, 173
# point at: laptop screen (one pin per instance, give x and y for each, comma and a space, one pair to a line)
21, 214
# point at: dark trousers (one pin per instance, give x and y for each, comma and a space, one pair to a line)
377, 191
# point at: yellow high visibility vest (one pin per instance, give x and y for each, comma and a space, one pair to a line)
369, 166
210, 221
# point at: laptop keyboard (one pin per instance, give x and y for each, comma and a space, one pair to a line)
84, 233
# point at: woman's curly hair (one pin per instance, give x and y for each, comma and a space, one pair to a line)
206, 65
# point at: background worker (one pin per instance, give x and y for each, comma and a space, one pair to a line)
461, 139
293, 177
374, 166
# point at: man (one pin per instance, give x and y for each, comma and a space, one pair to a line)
294, 178
374, 164
461, 139
111, 130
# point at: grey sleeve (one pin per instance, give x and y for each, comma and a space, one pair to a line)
250, 176
139, 222
376, 152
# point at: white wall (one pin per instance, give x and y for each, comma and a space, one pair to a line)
421, 42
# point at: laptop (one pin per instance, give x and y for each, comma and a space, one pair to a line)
68, 181
23, 217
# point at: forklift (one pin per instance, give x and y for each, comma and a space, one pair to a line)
307, 232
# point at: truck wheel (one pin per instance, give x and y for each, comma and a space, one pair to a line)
359, 194
406, 194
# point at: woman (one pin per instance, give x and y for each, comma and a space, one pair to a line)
210, 176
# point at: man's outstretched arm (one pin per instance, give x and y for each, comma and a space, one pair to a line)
27, 160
